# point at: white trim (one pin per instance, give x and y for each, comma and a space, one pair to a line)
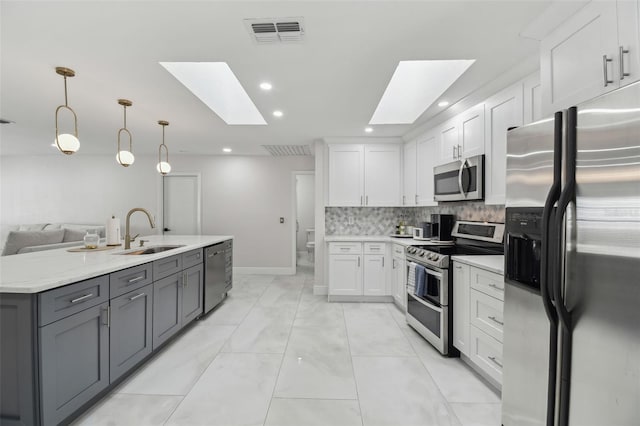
264, 270
198, 177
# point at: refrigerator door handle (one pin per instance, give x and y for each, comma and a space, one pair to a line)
566, 197
546, 272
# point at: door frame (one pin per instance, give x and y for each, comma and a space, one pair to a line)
294, 215
198, 177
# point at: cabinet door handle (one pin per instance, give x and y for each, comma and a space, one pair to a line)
358, 261
383, 262
393, 264
492, 318
133, 280
404, 200
605, 71
496, 287
81, 298
458, 267
416, 199
366, 200
108, 311
185, 279
623, 74
454, 153
137, 296
459, 151
495, 361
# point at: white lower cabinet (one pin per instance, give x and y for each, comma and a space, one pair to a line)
461, 285
374, 279
358, 270
399, 276
345, 274
478, 322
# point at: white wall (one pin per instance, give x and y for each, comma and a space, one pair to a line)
242, 196
305, 194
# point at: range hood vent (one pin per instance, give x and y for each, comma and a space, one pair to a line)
288, 150
276, 30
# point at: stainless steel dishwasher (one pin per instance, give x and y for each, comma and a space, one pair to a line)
218, 274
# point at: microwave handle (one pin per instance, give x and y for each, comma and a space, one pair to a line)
462, 166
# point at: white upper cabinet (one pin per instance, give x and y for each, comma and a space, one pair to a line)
382, 175
502, 111
449, 142
427, 155
346, 175
364, 175
471, 132
409, 195
532, 99
581, 59
629, 41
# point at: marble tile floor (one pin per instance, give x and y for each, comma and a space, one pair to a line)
275, 354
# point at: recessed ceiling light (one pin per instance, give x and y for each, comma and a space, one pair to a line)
277, 113
443, 103
265, 86
368, 129
215, 84
414, 86
226, 149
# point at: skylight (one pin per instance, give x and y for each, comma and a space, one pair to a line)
414, 86
215, 84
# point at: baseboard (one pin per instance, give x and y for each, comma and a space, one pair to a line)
368, 299
287, 270
320, 290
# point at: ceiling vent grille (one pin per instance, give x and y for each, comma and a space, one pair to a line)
288, 150
276, 30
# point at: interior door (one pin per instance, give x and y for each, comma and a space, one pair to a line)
181, 204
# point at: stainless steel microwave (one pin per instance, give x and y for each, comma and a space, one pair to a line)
460, 180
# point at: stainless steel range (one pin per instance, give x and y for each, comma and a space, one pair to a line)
430, 284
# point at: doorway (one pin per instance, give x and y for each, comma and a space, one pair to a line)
181, 205
304, 245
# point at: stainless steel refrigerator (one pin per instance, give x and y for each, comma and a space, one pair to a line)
572, 267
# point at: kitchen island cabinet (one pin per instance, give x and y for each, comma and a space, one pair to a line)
65, 345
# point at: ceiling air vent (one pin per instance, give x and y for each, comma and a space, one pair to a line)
276, 30
288, 150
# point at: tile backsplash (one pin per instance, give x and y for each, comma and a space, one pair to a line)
383, 220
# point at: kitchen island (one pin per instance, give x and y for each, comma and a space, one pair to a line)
75, 324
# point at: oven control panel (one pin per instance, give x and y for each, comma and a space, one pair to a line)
427, 258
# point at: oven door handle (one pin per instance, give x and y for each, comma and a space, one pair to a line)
432, 272
424, 302
460, 172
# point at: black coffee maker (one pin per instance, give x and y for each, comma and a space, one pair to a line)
444, 226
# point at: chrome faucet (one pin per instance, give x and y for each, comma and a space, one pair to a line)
127, 238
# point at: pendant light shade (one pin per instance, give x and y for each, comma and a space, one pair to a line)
163, 166
67, 143
123, 156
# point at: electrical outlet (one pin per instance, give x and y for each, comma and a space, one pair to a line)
350, 220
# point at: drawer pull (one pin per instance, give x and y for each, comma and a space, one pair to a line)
137, 296
81, 298
344, 248
495, 361
496, 287
136, 279
492, 318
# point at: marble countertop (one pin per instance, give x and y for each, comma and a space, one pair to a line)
376, 238
45, 270
493, 263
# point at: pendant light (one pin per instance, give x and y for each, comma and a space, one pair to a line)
125, 157
163, 167
67, 143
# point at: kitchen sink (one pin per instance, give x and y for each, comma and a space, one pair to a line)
151, 250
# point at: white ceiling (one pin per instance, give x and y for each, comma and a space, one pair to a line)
328, 86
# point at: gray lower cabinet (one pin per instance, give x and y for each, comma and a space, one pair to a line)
74, 362
130, 331
192, 293
167, 308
